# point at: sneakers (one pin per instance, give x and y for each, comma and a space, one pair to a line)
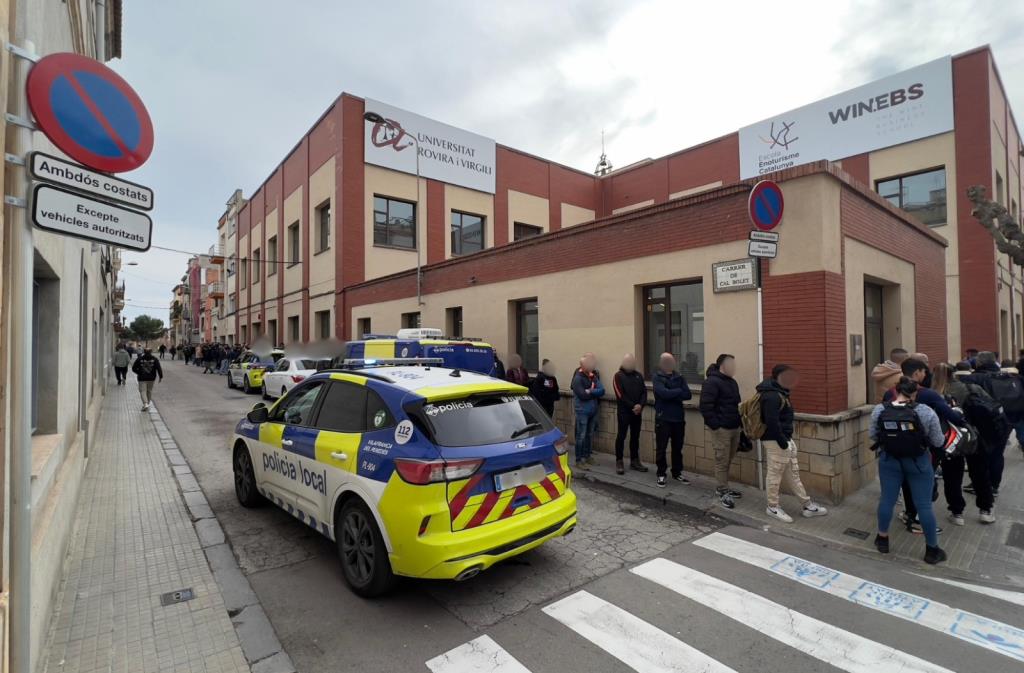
934, 555
680, 478
778, 514
619, 467
145, 407
882, 544
726, 501
812, 509
956, 519
582, 465
903, 518
662, 482
638, 466
722, 490
995, 492
914, 527
986, 516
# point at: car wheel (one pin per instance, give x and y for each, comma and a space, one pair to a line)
246, 388
263, 389
364, 558
245, 479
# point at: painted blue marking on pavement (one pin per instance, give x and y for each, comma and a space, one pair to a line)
1005, 638
883, 598
805, 571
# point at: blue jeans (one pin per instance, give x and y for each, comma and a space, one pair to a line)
919, 474
586, 426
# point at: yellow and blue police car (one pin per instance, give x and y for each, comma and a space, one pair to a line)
412, 469
247, 371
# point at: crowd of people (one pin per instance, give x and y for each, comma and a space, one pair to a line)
212, 356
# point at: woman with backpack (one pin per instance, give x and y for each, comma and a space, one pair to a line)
903, 432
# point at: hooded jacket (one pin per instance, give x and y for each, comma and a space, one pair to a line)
630, 389
670, 391
147, 368
720, 401
885, 375
544, 389
776, 413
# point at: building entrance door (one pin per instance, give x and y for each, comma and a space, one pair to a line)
874, 347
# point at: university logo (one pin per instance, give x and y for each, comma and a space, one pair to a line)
779, 135
390, 133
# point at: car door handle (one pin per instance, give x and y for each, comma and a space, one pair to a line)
338, 455
286, 442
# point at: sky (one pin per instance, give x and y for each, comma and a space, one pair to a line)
232, 85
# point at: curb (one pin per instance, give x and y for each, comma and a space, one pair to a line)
260, 644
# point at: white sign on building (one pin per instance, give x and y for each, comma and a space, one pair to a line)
910, 105
740, 274
447, 154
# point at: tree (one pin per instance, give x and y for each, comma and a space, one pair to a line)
994, 217
145, 327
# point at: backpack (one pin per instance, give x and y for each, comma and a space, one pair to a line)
900, 433
985, 413
961, 440
1008, 389
750, 416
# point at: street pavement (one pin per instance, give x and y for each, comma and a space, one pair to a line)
636, 587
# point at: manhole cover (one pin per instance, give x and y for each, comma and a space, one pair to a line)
857, 533
1016, 536
179, 596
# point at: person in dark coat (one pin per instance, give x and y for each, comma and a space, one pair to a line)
587, 391
630, 396
670, 391
517, 373
498, 369
544, 387
720, 407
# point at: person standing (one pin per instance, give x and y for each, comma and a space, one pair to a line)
516, 372
1004, 388
147, 369
498, 368
163, 350
670, 391
720, 407
174, 352
955, 394
544, 387
630, 396
777, 414
587, 390
121, 361
904, 431
886, 374
210, 359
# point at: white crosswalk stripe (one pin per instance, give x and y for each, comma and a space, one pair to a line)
1015, 597
842, 649
480, 655
631, 640
990, 634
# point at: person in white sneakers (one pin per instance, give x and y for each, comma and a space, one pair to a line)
147, 369
777, 414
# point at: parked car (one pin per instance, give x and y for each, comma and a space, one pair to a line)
289, 371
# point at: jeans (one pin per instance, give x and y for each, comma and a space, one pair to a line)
628, 422
121, 373
224, 366
919, 473
724, 443
782, 466
586, 426
665, 431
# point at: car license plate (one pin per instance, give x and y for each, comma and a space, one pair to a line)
521, 477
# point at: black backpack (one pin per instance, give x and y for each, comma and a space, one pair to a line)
900, 433
985, 413
1008, 390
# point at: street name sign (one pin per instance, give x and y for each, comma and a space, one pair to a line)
79, 178
65, 212
740, 274
762, 249
766, 236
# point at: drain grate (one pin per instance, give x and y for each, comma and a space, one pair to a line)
179, 596
1015, 538
857, 533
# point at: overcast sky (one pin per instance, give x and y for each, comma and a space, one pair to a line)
233, 85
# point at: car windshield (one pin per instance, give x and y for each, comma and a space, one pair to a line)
318, 365
490, 419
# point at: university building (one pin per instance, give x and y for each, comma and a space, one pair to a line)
877, 248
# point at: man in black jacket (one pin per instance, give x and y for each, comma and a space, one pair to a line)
631, 396
544, 387
670, 391
147, 369
720, 407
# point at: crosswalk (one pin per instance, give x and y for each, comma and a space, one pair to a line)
819, 619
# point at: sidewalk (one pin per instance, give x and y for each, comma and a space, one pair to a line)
994, 552
135, 551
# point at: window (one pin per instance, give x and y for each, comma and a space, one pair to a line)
293, 244
244, 268
674, 323
363, 328
282, 365
411, 320
272, 255
297, 408
453, 320
528, 333
467, 233
256, 268
323, 324
293, 328
231, 265
323, 226
394, 223
521, 230
485, 419
922, 195
344, 408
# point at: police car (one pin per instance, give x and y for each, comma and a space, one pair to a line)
247, 371
464, 353
412, 469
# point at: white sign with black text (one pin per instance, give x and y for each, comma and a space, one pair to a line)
768, 236
762, 249
79, 178
65, 212
740, 274
910, 105
446, 153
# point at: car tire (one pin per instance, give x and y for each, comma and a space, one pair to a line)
246, 388
263, 390
364, 558
231, 382
246, 490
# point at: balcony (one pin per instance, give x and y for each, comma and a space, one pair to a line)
117, 297
215, 290
215, 257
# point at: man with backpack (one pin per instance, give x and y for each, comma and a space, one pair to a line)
147, 369
1008, 390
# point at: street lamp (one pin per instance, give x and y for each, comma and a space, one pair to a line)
376, 118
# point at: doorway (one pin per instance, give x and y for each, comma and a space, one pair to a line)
874, 333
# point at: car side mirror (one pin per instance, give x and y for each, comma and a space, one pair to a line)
259, 413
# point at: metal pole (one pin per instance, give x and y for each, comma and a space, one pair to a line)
760, 367
22, 254
101, 31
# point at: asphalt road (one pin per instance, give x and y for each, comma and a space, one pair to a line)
633, 588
